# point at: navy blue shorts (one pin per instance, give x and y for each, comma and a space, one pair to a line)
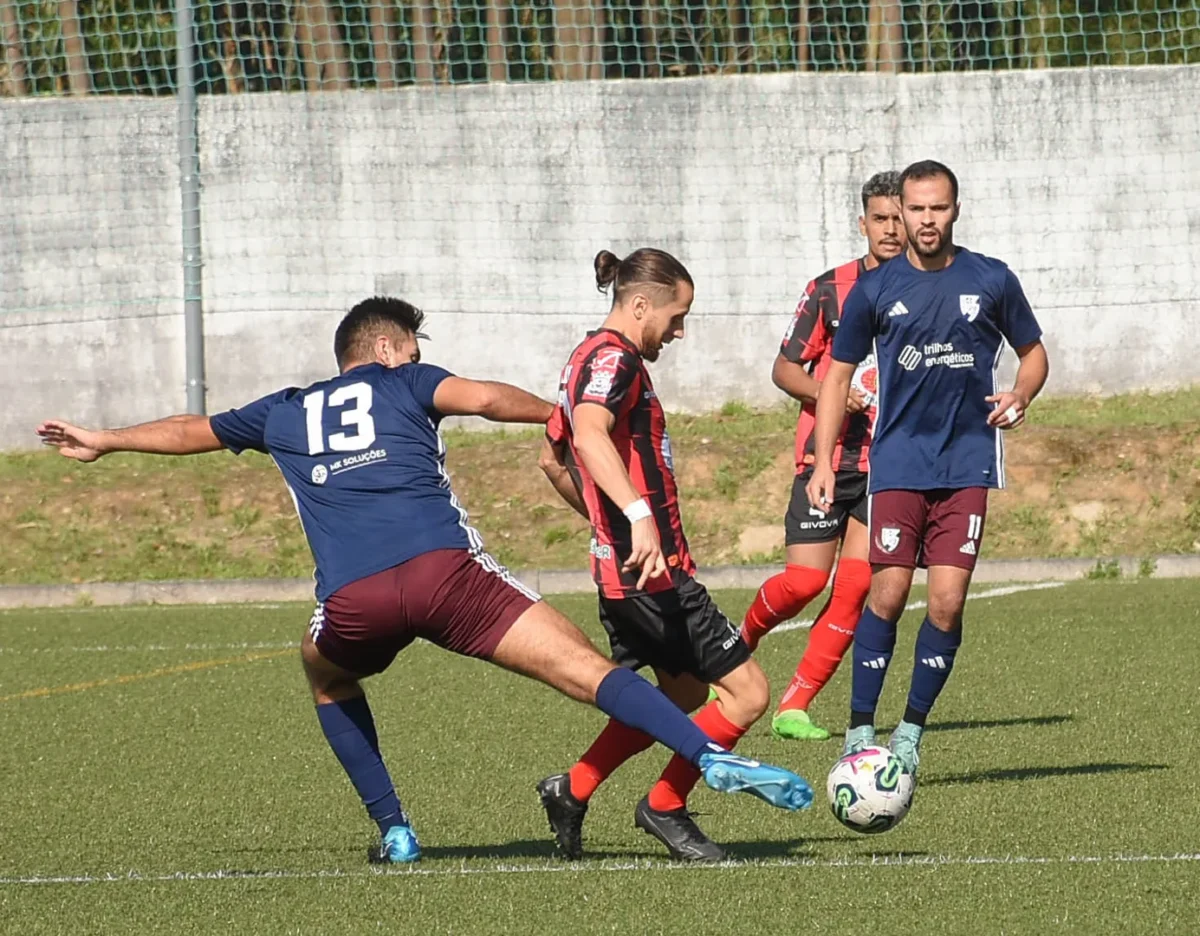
459, 599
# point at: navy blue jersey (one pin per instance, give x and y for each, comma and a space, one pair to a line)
937, 339
363, 459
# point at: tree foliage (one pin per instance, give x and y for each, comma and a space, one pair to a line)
128, 46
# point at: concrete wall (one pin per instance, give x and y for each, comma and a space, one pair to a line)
485, 205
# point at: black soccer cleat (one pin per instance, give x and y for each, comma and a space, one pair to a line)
675, 829
565, 813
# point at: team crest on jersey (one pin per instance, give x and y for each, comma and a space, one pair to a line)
889, 539
969, 305
320, 474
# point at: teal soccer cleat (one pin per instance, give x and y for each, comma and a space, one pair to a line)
399, 846
906, 745
729, 773
859, 739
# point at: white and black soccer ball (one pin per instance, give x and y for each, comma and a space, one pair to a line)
870, 791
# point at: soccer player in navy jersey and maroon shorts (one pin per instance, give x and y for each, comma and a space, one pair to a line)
396, 558
608, 454
937, 318
812, 535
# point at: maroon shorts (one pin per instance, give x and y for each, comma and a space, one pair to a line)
461, 600
927, 528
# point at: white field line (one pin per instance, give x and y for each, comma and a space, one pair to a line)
914, 605
148, 648
167, 648
609, 867
151, 606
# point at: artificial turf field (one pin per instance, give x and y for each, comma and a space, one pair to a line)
161, 769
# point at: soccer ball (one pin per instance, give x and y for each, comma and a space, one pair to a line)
870, 791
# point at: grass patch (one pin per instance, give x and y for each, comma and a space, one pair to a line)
1029, 782
1088, 477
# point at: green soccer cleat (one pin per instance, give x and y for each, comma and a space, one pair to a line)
795, 725
905, 744
859, 739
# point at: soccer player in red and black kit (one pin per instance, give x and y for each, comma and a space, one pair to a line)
608, 454
937, 319
812, 536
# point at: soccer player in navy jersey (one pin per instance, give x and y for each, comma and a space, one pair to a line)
608, 453
937, 317
396, 558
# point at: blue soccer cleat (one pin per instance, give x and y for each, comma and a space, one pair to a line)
399, 846
729, 773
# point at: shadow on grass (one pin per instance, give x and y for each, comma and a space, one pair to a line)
1035, 721
1030, 721
544, 850
1042, 773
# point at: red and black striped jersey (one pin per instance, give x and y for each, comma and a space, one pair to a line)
809, 341
606, 369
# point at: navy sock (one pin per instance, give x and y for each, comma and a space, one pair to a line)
932, 663
874, 641
628, 698
350, 731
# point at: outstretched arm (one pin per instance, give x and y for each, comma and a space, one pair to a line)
175, 435
498, 402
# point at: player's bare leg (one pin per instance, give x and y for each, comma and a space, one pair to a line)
544, 645
831, 634
350, 730
933, 659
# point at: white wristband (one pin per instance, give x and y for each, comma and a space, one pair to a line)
638, 510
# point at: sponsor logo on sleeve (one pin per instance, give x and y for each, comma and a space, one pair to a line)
604, 374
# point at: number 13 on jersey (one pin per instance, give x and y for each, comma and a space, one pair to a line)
355, 401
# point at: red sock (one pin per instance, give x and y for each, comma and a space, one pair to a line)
612, 747
831, 635
676, 782
781, 597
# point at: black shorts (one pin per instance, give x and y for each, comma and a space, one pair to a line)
804, 524
680, 630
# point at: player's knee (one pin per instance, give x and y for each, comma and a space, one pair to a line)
946, 609
804, 582
887, 603
851, 585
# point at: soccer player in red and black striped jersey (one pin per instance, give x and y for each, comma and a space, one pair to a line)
812, 537
608, 454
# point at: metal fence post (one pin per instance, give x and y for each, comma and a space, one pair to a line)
189, 187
